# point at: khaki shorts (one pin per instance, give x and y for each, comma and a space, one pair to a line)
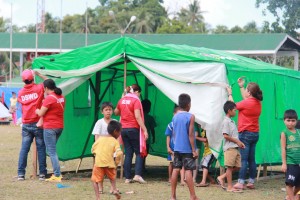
232, 157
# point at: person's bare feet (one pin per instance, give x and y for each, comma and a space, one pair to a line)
221, 182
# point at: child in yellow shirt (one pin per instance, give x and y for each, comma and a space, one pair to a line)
104, 149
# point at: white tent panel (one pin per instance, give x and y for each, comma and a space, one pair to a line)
4, 112
207, 98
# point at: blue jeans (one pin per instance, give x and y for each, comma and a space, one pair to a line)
248, 155
30, 131
51, 136
131, 140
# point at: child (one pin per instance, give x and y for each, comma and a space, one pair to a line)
100, 127
207, 160
13, 107
170, 148
290, 145
150, 125
232, 143
184, 146
104, 150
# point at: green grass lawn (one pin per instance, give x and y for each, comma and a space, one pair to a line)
81, 187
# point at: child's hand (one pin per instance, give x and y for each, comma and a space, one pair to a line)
170, 151
195, 154
283, 167
241, 145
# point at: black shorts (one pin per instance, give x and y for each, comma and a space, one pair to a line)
292, 175
184, 159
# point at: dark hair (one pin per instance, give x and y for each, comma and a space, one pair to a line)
176, 108
290, 114
28, 82
135, 87
13, 93
106, 104
184, 100
50, 84
113, 127
146, 103
228, 105
255, 91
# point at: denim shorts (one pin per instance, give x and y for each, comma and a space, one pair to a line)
184, 159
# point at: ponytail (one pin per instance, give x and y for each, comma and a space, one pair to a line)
50, 84
255, 91
57, 91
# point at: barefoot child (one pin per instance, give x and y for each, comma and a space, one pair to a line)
290, 154
207, 160
170, 148
231, 147
104, 149
184, 146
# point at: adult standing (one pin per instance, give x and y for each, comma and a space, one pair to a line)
130, 109
248, 127
30, 97
52, 111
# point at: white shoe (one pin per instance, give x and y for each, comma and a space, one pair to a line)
139, 179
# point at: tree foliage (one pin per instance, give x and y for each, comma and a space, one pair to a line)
287, 12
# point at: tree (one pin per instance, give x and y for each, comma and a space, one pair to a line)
174, 26
4, 27
221, 29
193, 16
236, 29
290, 11
251, 27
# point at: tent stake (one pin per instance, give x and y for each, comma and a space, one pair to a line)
79, 163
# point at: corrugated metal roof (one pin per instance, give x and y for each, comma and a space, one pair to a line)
230, 42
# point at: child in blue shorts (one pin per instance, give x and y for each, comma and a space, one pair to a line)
184, 146
290, 145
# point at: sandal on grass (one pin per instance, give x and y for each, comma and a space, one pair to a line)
101, 192
202, 185
112, 192
117, 194
235, 191
220, 183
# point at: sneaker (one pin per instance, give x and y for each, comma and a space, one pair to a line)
54, 178
21, 177
139, 179
42, 177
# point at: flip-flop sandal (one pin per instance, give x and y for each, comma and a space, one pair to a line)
117, 195
111, 192
202, 185
251, 186
219, 183
235, 191
101, 192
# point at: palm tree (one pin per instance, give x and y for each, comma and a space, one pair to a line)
193, 16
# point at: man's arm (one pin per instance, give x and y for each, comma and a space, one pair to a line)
283, 152
40, 75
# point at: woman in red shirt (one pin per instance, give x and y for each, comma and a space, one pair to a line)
248, 127
52, 111
130, 109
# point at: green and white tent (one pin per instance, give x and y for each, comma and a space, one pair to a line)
96, 73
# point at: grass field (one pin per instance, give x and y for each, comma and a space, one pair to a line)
81, 188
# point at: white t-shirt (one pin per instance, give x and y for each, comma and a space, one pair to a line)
100, 127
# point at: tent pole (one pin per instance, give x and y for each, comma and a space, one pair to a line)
97, 103
125, 71
137, 82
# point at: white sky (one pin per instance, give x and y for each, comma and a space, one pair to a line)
217, 12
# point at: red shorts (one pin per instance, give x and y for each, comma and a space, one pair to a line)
99, 173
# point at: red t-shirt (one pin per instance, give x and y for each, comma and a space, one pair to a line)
249, 112
31, 97
126, 106
54, 117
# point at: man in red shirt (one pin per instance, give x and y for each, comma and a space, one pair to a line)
31, 97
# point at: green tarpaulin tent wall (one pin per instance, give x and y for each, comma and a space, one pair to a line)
93, 74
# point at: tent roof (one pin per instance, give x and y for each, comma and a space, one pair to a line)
236, 43
92, 55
